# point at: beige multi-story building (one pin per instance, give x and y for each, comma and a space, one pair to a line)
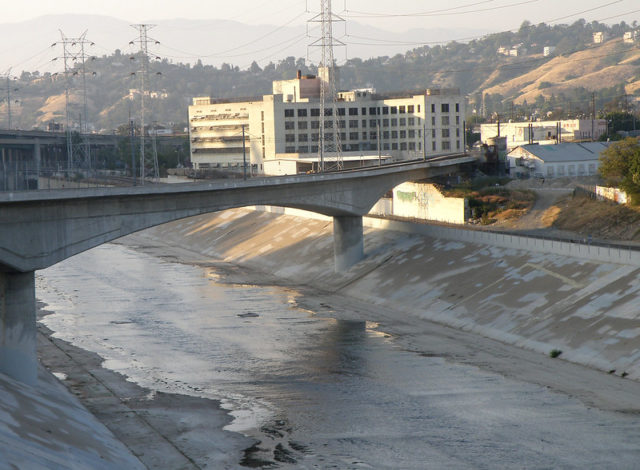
282, 130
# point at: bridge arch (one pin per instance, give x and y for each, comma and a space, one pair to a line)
42, 228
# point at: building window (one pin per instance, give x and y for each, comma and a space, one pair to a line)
433, 107
411, 121
328, 124
412, 134
385, 122
364, 136
315, 124
457, 107
433, 146
394, 134
303, 138
433, 121
364, 111
353, 123
290, 138
372, 122
403, 146
403, 134
289, 125
328, 136
444, 107
288, 113
302, 112
394, 110
340, 111
385, 146
418, 108
303, 149
289, 149
373, 135
402, 109
385, 135
262, 115
394, 146
403, 121
364, 123
385, 110
302, 124
412, 145
342, 124
446, 145
445, 120
343, 136
353, 111
353, 136
457, 120
458, 144
410, 108
315, 112
445, 133
394, 122
433, 133
314, 149
372, 111
457, 132
315, 137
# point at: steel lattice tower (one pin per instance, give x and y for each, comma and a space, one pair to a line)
328, 144
143, 41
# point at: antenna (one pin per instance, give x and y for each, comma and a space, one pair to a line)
143, 40
328, 142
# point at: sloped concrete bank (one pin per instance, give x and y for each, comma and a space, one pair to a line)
531, 299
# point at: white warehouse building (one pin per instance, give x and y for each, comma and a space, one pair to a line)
281, 130
556, 161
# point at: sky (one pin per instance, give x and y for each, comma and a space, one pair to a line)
399, 15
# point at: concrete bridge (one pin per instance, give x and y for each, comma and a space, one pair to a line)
41, 228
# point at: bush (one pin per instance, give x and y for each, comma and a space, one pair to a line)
555, 353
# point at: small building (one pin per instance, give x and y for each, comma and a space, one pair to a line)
600, 37
631, 37
555, 161
548, 50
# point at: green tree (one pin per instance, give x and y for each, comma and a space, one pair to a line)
620, 166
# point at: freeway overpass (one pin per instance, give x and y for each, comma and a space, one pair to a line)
41, 228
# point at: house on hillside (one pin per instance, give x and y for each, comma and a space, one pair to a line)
600, 37
548, 50
631, 37
555, 161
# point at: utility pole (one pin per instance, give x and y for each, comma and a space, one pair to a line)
244, 156
593, 115
143, 40
379, 146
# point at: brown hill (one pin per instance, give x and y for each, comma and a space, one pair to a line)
599, 66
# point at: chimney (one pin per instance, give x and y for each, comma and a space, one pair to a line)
299, 75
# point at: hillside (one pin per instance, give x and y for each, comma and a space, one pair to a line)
611, 63
533, 83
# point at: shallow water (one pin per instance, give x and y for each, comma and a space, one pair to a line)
324, 393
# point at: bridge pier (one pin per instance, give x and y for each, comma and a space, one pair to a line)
348, 245
18, 340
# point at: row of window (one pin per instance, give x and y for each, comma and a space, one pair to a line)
355, 123
373, 135
372, 110
373, 146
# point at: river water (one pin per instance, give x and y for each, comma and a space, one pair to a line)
315, 391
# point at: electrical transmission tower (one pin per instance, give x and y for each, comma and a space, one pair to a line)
9, 87
329, 143
74, 57
143, 41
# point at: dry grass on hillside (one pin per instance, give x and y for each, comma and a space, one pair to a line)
604, 220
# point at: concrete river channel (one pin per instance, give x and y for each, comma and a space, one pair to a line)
316, 389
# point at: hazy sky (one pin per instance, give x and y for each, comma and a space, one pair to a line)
480, 14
